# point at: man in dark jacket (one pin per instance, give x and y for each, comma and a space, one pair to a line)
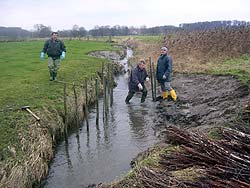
55, 49
136, 82
163, 74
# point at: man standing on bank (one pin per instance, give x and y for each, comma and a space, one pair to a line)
55, 49
163, 74
136, 82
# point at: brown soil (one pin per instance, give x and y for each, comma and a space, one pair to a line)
204, 101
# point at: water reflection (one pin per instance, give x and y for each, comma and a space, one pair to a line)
70, 166
104, 152
137, 120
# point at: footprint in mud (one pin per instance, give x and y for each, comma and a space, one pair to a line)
177, 112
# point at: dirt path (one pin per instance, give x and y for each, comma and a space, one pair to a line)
204, 101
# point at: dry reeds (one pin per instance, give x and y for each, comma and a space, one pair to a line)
38, 148
191, 51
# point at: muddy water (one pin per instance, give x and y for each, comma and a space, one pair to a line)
104, 153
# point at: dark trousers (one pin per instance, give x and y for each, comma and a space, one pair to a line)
131, 94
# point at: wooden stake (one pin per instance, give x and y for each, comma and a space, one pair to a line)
108, 84
154, 76
76, 106
107, 91
86, 104
65, 110
112, 84
104, 98
152, 79
97, 102
102, 71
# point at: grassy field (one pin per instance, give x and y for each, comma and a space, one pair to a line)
25, 81
238, 67
149, 39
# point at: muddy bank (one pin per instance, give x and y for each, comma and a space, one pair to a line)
204, 101
105, 55
111, 55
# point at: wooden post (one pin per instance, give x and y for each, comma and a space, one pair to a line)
152, 79
76, 106
112, 84
86, 104
107, 89
108, 83
104, 98
65, 111
154, 76
97, 102
102, 71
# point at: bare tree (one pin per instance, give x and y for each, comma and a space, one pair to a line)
42, 30
75, 31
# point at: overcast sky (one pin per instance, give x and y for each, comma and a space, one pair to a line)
63, 14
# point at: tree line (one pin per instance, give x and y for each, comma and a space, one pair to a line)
212, 25
42, 31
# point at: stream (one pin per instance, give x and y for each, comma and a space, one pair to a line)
103, 153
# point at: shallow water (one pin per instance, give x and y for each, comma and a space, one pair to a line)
104, 153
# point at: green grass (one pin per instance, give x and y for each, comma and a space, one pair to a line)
238, 67
144, 38
149, 39
25, 81
150, 160
214, 134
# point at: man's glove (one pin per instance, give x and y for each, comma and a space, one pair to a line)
63, 55
164, 77
147, 79
42, 55
140, 86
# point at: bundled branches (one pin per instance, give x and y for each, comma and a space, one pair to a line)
224, 163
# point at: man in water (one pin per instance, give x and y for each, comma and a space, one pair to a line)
136, 82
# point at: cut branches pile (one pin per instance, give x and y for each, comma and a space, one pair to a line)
214, 163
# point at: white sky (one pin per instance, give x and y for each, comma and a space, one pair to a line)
62, 14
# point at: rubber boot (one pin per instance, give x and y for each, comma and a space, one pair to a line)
143, 97
54, 76
173, 95
164, 95
51, 76
130, 95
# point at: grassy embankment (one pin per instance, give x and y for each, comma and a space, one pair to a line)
25, 81
238, 67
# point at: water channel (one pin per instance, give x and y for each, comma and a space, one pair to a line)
104, 153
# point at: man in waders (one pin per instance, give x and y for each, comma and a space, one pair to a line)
163, 74
55, 49
136, 82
